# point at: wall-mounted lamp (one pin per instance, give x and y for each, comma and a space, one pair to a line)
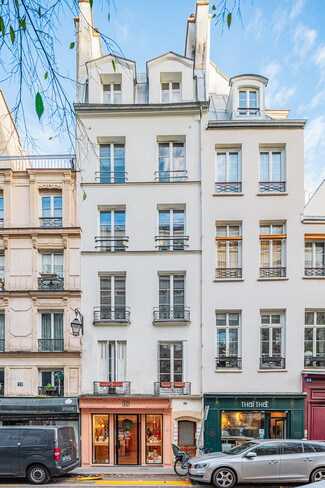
77, 324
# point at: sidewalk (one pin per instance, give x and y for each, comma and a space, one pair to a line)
124, 470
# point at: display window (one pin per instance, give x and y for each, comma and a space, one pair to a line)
100, 439
154, 441
239, 427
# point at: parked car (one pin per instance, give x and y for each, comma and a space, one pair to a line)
262, 461
37, 452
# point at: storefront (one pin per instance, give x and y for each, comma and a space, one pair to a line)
125, 431
234, 419
314, 386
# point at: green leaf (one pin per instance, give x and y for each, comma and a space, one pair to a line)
213, 7
109, 17
72, 45
39, 105
91, 3
229, 20
46, 75
39, 11
50, 138
2, 26
214, 15
84, 195
114, 67
22, 23
17, 4
12, 35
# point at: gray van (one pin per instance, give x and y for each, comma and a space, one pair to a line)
37, 452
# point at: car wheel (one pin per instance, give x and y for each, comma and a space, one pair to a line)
318, 475
224, 478
38, 474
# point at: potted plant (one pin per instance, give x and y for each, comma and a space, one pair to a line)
50, 387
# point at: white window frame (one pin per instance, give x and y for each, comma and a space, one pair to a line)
113, 369
270, 327
51, 312
184, 362
228, 239
171, 281
227, 152
247, 113
270, 152
227, 327
314, 244
47, 370
171, 91
112, 93
313, 326
172, 168
52, 261
112, 278
270, 241
2, 266
52, 196
115, 178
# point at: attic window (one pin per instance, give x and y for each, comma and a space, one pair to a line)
112, 93
248, 102
170, 87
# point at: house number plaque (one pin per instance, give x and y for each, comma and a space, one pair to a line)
125, 403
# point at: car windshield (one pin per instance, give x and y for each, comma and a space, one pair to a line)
241, 448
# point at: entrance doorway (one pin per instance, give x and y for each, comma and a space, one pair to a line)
127, 439
278, 425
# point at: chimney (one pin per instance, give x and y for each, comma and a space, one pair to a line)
202, 35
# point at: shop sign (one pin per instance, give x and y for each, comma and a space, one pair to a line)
255, 404
37, 405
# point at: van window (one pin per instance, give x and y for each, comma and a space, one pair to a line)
34, 437
66, 435
9, 438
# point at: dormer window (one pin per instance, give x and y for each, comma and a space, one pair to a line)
248, 102
171, 84
112, 93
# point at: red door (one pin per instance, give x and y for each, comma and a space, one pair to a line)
318, 422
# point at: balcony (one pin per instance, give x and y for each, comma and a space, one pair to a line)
111, 316
279, 272
171, 315
50, 282
50, 345
111, 244
228, 362
228, 273
172, 388
1, 222
272, 186
2, 283
2, 345
171, 176
49, 161
272, 362
171, 243
314, 361
54, 391
111, 387
228, 187
314, 272
111, 176
50, 222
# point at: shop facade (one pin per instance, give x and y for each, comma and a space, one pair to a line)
314, 386
125, 431
236, 418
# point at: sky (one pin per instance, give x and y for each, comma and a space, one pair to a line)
283, 40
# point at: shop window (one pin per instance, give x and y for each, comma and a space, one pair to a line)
238, 427
154, 440
186, 433
100, 439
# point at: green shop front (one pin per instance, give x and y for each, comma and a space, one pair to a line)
236, 418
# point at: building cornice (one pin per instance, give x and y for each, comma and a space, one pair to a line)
39, 231
153, 108
257, 124
36, 354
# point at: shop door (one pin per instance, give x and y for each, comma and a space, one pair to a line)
127, 439
317, 422
278, 425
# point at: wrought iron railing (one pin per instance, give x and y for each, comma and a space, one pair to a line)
111, 314
2, 283
111, 387
171, 243
314, 361
109, 244
111, 176
228, 273
228, 187
172, 314
272, 362
55, 391
314, 271
50, 284
228, 362
272, 186
50, 345
2, 390
277, 272
48, 161
175, 388
171, 176
2, 345
50, 221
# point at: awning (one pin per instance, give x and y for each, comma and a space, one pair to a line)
39, 405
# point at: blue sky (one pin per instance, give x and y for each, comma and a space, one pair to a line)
281, 39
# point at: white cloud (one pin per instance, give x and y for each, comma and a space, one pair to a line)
304, 40
283, 95
257, 24
296, 9
272, 70
319, 57
314, 136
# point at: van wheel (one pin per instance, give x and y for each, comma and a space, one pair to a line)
224, 478
38, 474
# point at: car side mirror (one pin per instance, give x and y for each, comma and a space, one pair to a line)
250, 455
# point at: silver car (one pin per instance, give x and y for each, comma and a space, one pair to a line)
261, 461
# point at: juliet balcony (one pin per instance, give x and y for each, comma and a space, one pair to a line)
274, 272
228, 187
111, 387
171, 176
272, 186
314, 362
53, 391
2, 345
111, 244
172, 388
228, 362
50, 282
177, 315
50, 222
50, 345
272, 362
111, 176
111, 315
171, 243
315, 272
228, 273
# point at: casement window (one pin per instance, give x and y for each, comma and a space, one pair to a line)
248, 102
112, 360
112, 297
171, 362
228, 250
54, 378
228, 340
272, 171
51, 211
172, 294
52, 264
272, 340
112, 93
171, 161
51, 332
112, 163
171, 230
314, 339
272, 249
1, 211
228, 171
112, 231
314, 257
171, 92
2, 271
2, 332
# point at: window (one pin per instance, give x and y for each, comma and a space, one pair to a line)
112, 360
171, 162
248, 102
53, 264
112, 231
228, 336
2, 271
315, 339
239, 424
272, 340
266, 450
51, 211
228, 177
171, 368
186, 433
1, 211
100, 439
171, 92
154, 439
2, 333
54, 379
272, 179
171, 230
2, 382
228, 250
112, 93
112, 163
51, 332
112, 298
314, 258
272, 242
172, 295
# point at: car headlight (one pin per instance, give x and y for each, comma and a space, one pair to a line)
200, 466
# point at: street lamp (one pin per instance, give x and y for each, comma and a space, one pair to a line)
77, 324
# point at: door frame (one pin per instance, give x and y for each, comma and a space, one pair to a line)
116, 439
285, 421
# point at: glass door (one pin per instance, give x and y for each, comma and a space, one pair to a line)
278, 425
127, 439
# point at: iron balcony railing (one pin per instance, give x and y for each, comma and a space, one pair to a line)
111, 387
50, 222
1, 222
272, 362
50, 283
48, 161
314, 271
110, 244
171, 243
228, 273
2, 390
171, 314
2, 345
228, 362
174, 388
228, 187
50, 345
111, 176
111, 314
171, 176
272, 186
248, 111
276, 272
54, 391
314, 361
